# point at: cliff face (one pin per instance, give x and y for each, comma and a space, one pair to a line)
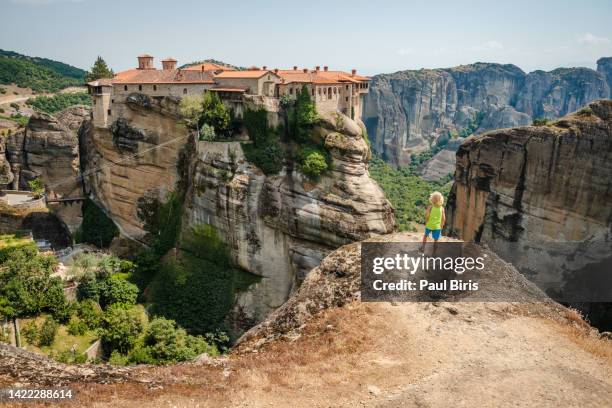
136, 156
277, 227
47, 148
407, 111
539, 186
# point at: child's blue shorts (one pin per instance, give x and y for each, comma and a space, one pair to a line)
435, 234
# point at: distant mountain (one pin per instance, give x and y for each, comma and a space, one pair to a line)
39, 74
409, 111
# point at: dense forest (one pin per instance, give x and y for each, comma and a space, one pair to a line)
39, 74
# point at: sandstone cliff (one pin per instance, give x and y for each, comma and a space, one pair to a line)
47, 148
277, 227
406, 112
548, 190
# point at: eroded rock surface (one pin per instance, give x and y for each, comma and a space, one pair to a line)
405, 112
277, 227
539, 186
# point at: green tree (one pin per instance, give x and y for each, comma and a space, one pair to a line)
120, 329
313, 161
99, 70
303, 116
90, 313
26, 285
164, 343
214, 113
113, 290
190, 109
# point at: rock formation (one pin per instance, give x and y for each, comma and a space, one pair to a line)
47, 148
408, 111
548, 190
277, 227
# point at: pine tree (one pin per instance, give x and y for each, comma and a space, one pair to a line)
99, 70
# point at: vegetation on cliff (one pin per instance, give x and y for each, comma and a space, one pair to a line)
59, 102
206, 114
96, 228
407, 192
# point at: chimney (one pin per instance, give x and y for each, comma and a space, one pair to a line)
168, 64
318, 68
353, 72
295, 67
145, 61
265, 67
325, 68
305, 70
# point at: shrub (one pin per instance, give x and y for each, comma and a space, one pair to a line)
313, 161
30, 332
302, 116
585, 111
120, 328
37, 187
207, 133
76, 327
116, 358
90, 313
165, 343
113, 290
214, 113
540, 122
88, 288
47, 332
269, 157
190, 109
14, 106
71, 357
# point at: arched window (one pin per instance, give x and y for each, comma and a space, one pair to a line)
291, 91
329, 92
184, 91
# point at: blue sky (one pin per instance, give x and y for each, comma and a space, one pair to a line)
372, 36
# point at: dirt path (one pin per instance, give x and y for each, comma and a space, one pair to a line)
408, 355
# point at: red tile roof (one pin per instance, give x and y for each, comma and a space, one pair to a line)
258, 73
208, 66
320, 77
168, 76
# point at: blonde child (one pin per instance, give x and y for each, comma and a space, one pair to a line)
435, 218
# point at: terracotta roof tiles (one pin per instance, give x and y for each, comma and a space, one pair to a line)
169, 76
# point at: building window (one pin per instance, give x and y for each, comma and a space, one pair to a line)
112, 101
109, 112
291, 91
184, 91
329, 92
313, 92
140, 87
319, 91
125, 87
347, 98
347, 87
155, 87
94, 101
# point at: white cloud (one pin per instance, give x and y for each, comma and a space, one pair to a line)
590, 39
44, 2
405, 51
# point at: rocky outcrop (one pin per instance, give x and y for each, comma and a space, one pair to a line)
406, 112
604, 67
138, 155
277, 227
48, 148
547, 190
